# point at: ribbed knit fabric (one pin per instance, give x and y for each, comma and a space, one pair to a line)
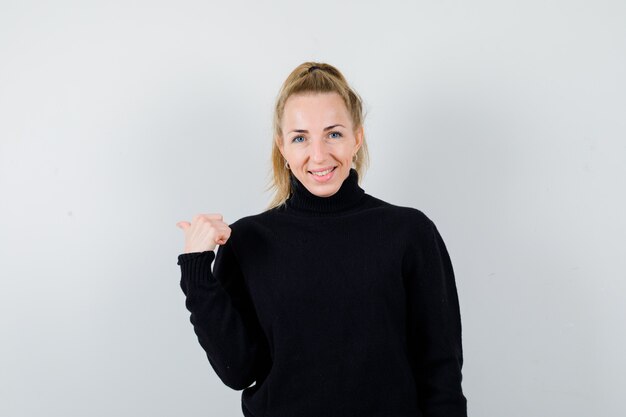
332, 306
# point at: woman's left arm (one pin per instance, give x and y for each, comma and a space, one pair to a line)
434, 324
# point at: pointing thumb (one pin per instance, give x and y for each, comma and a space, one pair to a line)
183, 225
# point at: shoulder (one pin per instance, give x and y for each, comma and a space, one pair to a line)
409, 217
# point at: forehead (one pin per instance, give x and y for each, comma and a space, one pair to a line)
313, 109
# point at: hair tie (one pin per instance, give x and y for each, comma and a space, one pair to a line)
314, 67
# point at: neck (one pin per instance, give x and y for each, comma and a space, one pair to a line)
302, 200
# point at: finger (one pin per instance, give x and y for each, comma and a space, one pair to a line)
183, 225
222, 230
222, 236
214, 216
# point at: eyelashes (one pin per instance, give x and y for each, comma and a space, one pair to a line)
339, 135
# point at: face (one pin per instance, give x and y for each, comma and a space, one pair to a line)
319, 141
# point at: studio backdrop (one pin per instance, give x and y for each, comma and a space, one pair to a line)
503, 121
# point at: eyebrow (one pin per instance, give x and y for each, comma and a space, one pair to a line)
306, 131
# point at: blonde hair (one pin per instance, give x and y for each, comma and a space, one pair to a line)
312, 77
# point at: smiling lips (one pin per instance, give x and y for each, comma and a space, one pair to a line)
323, 175
323, 172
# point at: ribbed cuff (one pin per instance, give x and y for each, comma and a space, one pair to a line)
196, 266
185, 257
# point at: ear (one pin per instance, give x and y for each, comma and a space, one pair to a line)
358, 134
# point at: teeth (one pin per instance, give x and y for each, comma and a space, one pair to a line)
322, 173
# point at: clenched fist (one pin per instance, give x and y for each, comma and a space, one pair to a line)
204, 232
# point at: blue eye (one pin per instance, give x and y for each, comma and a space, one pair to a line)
336, 133
297, 137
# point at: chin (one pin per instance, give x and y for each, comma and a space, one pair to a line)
323, 190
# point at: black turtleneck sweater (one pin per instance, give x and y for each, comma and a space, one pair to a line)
332, 306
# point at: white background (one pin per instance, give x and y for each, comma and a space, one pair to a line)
504, 121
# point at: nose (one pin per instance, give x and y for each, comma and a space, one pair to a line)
319, 150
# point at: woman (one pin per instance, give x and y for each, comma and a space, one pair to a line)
333, 302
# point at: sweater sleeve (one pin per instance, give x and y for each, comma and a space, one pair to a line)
222, 315
434, 325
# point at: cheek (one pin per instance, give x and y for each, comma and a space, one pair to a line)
348, 151
295, 155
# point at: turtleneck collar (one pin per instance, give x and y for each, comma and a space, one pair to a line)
348, 195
